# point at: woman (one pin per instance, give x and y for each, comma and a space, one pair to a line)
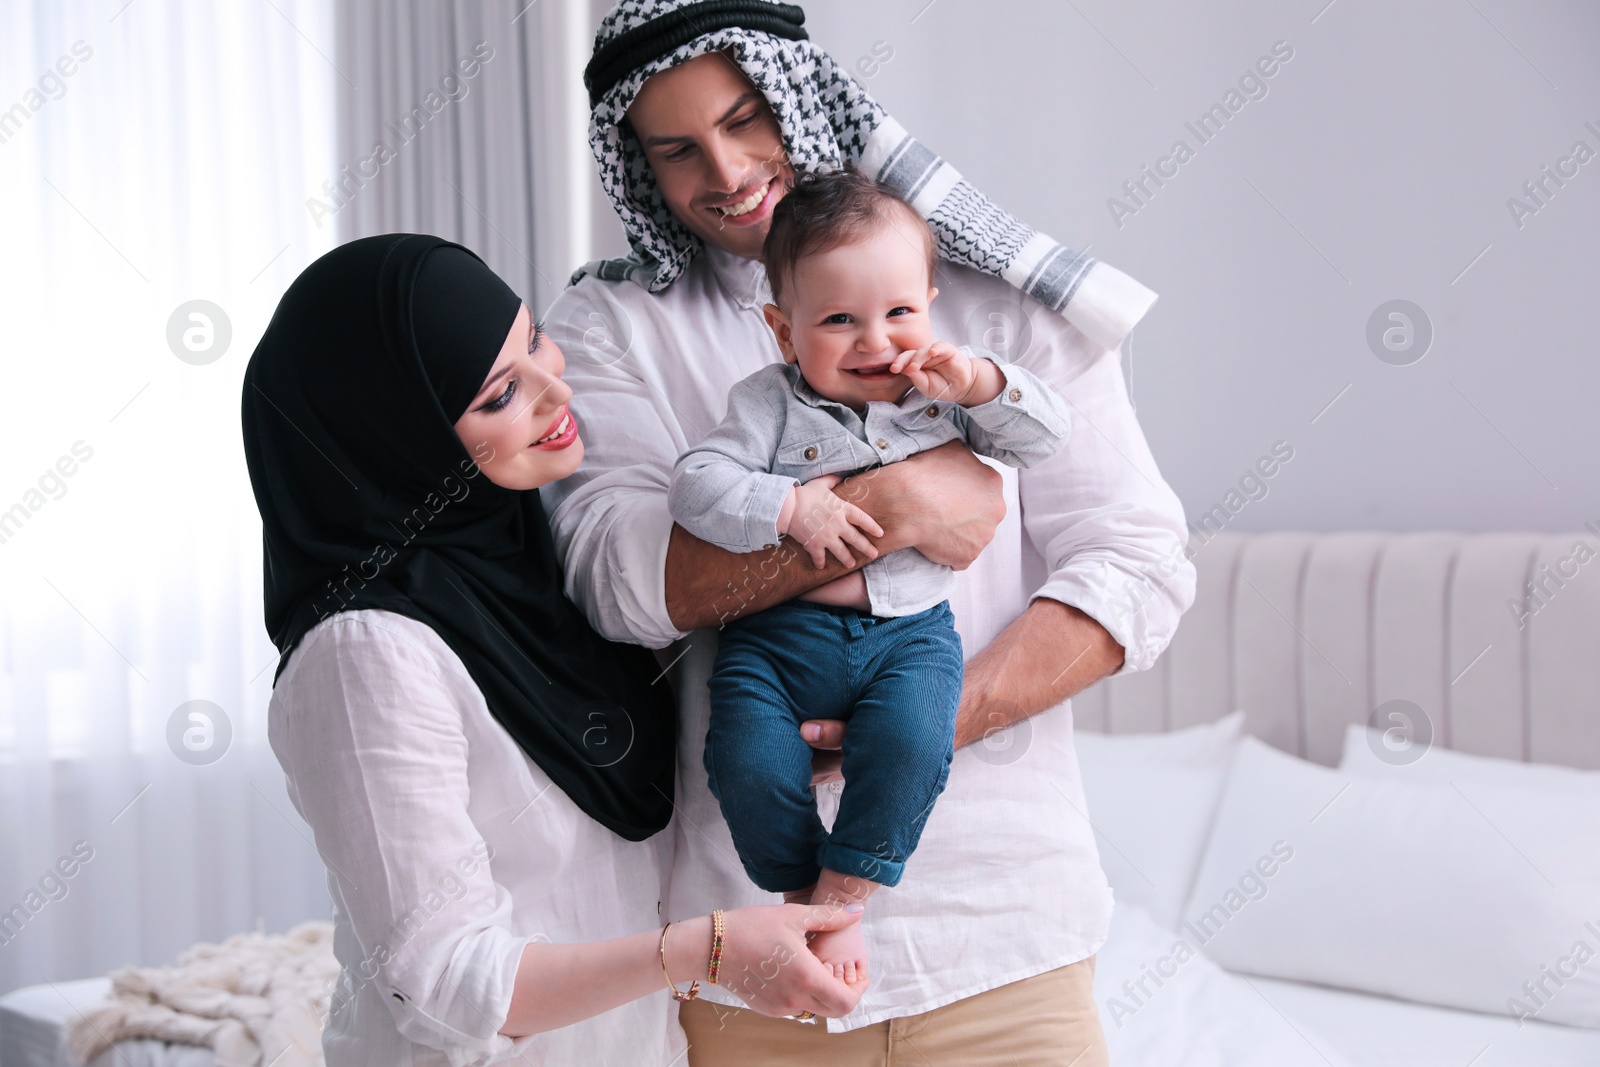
485, 777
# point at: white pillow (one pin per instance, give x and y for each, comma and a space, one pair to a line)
1212, 744
1151, 801
1453, 894
1441, 766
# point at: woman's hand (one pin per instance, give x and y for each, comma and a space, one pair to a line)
767, 963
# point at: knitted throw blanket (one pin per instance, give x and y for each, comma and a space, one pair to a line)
255, 999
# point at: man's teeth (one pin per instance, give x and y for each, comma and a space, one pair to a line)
560, 429
748, 204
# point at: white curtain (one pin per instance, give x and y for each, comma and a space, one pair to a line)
152, 153
469, 120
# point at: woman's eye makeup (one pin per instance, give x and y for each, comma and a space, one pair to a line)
503, 399
499, 402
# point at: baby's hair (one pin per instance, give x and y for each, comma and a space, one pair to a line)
820, 212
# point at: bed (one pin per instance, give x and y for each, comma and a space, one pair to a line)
33, 1025
1423, 712
1220, 1019
1406, 705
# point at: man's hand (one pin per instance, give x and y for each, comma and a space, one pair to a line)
826, 738
941, 371
1049, 653
824, 523
945, 502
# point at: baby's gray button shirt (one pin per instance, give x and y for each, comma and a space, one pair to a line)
778, 432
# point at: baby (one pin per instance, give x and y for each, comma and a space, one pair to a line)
863, 383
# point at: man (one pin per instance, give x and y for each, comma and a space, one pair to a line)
703, 113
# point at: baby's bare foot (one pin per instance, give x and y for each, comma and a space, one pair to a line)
844, 952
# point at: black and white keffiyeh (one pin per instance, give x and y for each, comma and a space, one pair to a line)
827, 120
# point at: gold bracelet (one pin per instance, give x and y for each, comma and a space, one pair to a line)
694, 986
718, 929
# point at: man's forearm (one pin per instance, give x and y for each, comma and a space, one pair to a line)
1047, 654
708, 586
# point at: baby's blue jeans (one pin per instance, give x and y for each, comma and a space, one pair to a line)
895, 681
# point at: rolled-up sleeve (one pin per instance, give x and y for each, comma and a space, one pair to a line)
376, 759
609, 518
1110, 529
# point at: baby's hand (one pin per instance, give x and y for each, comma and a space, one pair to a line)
941, 371
824, 523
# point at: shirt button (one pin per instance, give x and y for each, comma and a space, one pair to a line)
881, 443
933, 409
811, 452
1015, 395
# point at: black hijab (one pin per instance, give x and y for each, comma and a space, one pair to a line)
369, 500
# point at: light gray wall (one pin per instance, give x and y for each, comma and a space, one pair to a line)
1377, 166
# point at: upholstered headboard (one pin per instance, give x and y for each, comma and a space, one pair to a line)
1496, 637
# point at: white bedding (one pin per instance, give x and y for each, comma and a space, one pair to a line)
33, 1023
1203, 1016
1200, 1016
1379, 1032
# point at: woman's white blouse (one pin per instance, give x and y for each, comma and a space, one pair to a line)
448, 850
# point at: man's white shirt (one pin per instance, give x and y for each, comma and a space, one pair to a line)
1006, 882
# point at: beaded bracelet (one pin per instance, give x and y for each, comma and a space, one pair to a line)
694, 987
717, 930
